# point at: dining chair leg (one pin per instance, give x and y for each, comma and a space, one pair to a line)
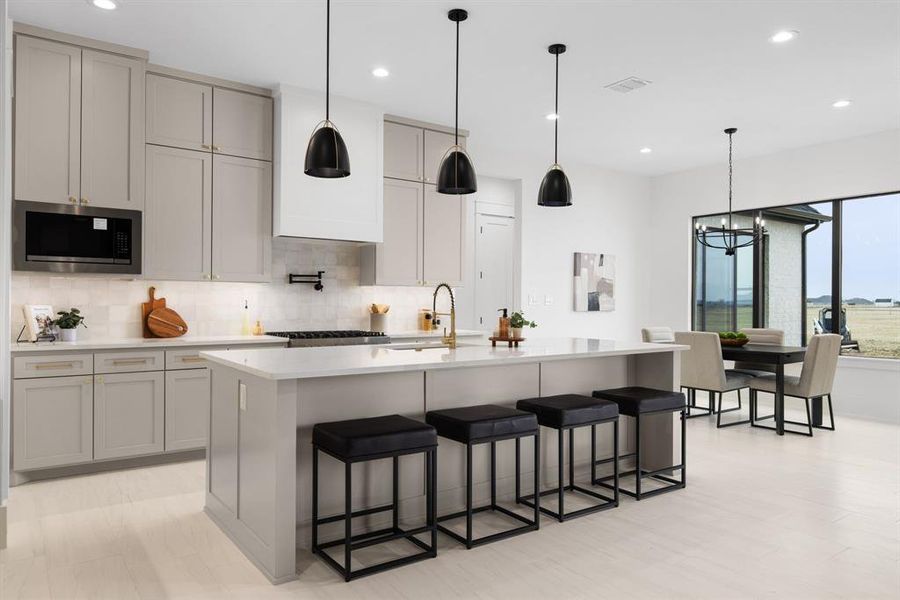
809, 424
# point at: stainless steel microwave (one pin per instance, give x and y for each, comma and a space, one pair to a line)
75, 239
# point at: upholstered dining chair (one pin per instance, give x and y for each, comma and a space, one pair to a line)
702, 369
658, 335
757, 335
815, 380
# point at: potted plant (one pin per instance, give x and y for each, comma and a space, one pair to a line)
67, 321
516, 323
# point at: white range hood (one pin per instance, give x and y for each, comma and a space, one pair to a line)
348, 208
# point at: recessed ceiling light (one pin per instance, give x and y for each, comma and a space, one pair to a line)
380, 72
105, 4
646, 150
552, 117
783, 36
842, 104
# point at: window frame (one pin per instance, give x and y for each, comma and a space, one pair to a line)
759, 281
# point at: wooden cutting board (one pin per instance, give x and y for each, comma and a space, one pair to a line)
148, 307
166, 323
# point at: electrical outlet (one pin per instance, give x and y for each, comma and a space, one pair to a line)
242, 396
548, 300
532, 300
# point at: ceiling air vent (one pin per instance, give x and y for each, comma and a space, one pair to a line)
629, 84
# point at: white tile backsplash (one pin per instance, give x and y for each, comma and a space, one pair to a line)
111, 305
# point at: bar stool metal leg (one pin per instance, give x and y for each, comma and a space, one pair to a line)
615, 462
348, 520
537, 480
469, 496
315, 499
559, 467
396, 494
637, 457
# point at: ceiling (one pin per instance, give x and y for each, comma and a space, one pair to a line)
710, 62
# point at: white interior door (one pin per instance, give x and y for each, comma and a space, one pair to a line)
494, 266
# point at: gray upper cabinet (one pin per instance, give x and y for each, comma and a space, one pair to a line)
445, 218
436, 145
52, 422
79, 119
112, 131
179, 113
404, 147
129, 411
47, 121
241, 219
178, 218
242, 124
397, 260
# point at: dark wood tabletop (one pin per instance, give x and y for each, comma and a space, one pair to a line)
764, 353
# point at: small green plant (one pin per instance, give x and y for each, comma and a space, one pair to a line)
518, 321
732, 335
69, 319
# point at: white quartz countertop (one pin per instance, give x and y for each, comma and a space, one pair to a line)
415, 334
302, 363
143, 343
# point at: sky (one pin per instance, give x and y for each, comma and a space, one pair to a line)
871, 250
871, 255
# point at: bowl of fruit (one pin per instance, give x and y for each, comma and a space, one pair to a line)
733, 338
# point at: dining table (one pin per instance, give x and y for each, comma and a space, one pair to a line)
777, 357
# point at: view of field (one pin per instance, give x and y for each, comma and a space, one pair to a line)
876, 329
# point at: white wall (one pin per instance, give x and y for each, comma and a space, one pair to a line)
608, 209
5, 258
846, 168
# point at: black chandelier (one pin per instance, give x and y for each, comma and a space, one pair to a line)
326, 153
728, 236
555, 189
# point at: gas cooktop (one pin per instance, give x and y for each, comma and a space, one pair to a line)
347, 337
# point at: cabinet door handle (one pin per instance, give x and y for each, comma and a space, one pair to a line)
216, 148
129, 361
55, 365
85, 201
206, 276
73, 199
216, 277
206, 146
98, 379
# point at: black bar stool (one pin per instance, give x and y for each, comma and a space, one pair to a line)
361, 440
488, 423
568, 412
638, 402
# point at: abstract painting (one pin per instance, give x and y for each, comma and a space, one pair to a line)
595, 282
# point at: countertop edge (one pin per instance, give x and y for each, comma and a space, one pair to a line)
136, 344
378, 369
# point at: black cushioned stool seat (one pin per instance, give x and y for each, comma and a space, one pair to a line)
637, 402
569, 412
483, 423
488, 424
359, 440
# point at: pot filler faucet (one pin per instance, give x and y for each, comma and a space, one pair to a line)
449, 340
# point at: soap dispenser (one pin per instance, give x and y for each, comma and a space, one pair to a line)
503, 328
245, 319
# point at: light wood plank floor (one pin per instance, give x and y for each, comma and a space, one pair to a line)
762, 516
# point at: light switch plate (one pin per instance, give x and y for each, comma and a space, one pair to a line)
532, 300
242, 396
548, 300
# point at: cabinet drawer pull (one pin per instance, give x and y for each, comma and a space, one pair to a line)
206, 146
129, 361
192, 359
55, 365
217, 148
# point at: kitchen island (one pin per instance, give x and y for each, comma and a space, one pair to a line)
264, 404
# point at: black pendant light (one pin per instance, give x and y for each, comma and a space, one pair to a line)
555, 189
326, 154
456, 175
729, 237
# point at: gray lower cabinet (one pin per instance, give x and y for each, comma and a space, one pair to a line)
187, 409
52, 422
129, 411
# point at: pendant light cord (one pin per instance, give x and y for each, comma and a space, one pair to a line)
556, 112
456, 116
327, 59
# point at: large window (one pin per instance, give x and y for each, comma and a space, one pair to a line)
821, 267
